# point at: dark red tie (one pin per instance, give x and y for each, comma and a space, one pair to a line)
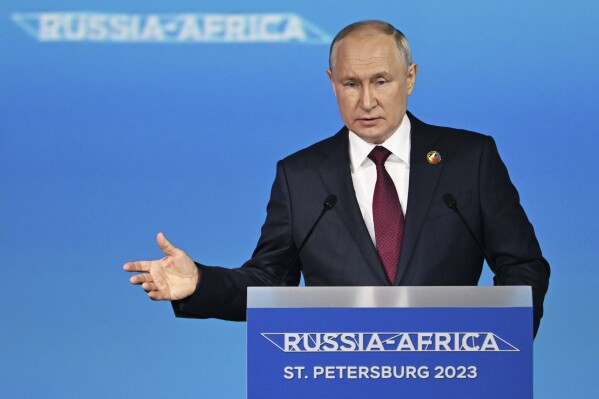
387, 213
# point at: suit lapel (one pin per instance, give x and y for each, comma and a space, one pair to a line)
335, 173
423, 182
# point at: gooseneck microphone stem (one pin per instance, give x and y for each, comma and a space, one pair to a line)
328, 204
451, 203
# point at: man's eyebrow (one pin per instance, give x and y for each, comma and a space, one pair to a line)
383, 74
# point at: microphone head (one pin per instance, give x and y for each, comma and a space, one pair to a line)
450, 201
329, 202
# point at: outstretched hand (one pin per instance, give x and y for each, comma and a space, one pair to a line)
171, 278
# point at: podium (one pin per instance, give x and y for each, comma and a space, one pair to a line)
389, 342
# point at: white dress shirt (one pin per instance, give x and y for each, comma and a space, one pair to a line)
363, 170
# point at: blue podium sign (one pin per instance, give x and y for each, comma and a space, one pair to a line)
385, 342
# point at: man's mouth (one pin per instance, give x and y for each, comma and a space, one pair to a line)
368, 121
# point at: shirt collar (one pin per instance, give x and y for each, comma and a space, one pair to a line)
398, 144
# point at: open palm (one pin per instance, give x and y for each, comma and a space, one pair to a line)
171, 278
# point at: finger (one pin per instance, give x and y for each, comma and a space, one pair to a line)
155, 295
149, 287
165, 245
141, 278
139, 266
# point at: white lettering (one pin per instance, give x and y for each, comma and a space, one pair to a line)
349, 343
292, 343
386, 372
50, 25
313, 339
317, 371
424, 341
236, 27
190, 29
405, 343
269, 34
213, 27
489, 343
385, 342
375, 344
442, 342
470, 348
294, 30
288, 373
97, 29
241, 28
74, 27
123, 28
329, 343
152, 30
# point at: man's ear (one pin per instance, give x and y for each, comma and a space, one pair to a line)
411, 77
330, 75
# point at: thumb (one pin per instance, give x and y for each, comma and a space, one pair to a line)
165, 245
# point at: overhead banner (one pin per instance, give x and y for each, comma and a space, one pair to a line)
170, 28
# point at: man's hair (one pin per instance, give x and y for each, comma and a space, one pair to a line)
379, 26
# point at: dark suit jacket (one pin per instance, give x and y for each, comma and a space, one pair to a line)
437, 249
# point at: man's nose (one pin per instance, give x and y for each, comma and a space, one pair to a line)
368, 98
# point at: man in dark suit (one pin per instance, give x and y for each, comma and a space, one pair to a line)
390, 225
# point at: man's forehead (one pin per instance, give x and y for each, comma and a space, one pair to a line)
365, 51
366, 37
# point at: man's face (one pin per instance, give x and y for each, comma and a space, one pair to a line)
371, 84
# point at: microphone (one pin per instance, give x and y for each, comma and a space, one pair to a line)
451, 203
328, 204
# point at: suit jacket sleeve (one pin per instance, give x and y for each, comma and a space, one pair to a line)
507, 233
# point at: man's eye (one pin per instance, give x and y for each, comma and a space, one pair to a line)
381, 82
350, 84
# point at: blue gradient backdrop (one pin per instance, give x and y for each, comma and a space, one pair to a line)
102, 145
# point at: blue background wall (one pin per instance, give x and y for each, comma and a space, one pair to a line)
104, 144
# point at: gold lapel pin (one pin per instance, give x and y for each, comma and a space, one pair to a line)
433, 157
